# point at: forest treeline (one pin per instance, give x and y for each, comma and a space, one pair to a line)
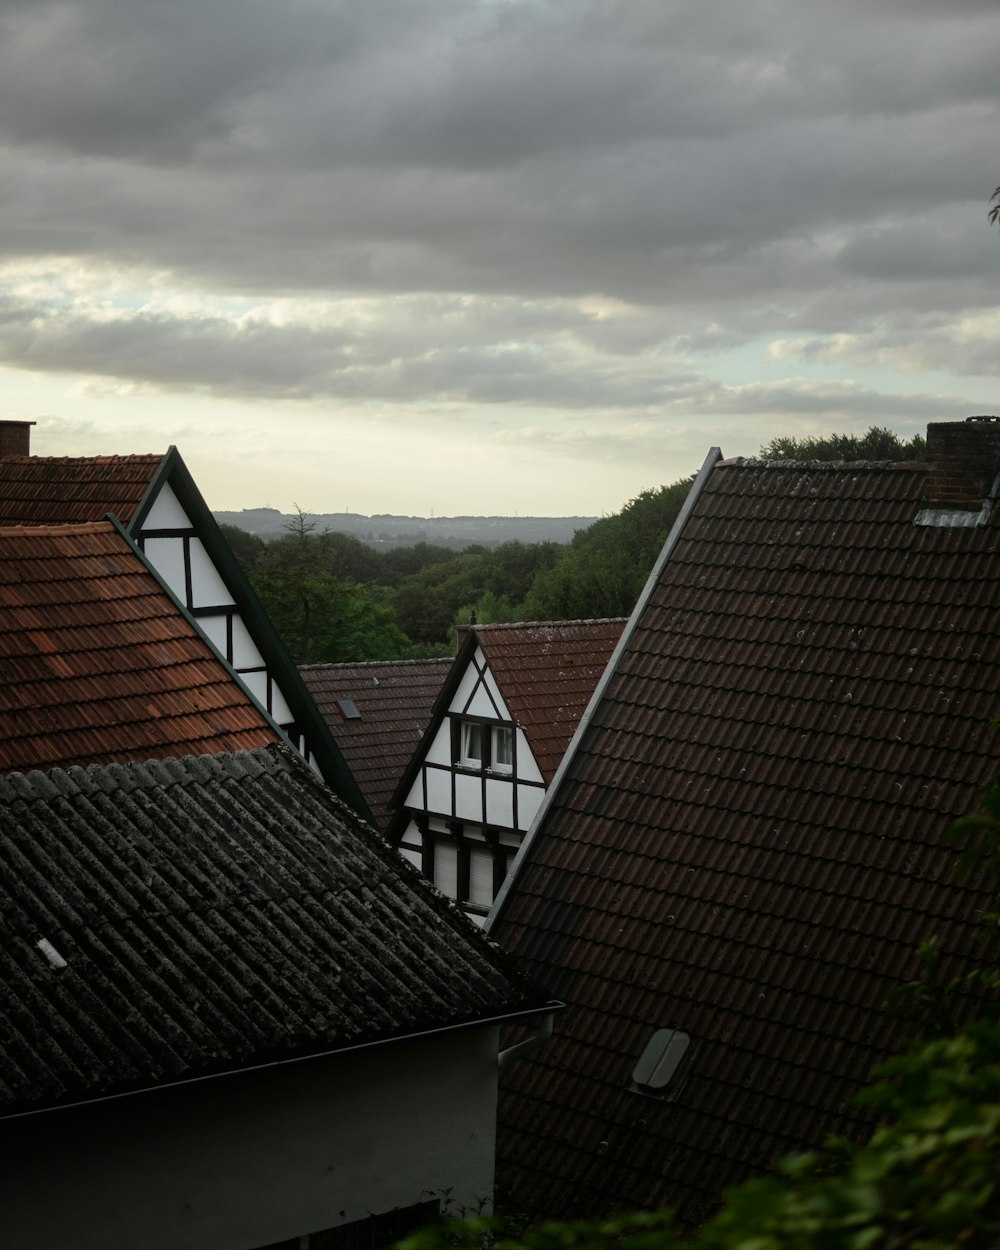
332, 598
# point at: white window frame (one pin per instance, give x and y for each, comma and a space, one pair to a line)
472, 733
502, 733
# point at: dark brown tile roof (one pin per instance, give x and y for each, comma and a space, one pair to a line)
178, 918
746, 845
97, 664
63, 490
394, 699
546, 672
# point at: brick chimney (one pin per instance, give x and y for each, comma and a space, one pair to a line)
964, 458
15, 438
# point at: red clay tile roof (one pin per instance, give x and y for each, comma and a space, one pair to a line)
547, 672
211, 913
64, 490
395, 698
98, 665
746, 845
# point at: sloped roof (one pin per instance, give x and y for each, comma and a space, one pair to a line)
547, 671
394, 699
746, 843
179, 918
98, 664
63, 490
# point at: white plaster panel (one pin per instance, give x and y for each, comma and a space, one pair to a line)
166, 555
260, 1157
482, 705
166, 512
468, 681
439, 751
411, 857
490, 682
499, 802
280, 710
256, 683
245, 653
214, 628
526, 766
438, 791
529, 799
468, 798
207, 587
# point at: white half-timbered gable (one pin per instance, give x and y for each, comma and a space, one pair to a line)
500, 726
171, 541
157, 506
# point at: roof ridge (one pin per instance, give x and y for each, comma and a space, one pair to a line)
581, 620
65, 527
143, 456
428, 659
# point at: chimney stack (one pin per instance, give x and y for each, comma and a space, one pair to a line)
15, 438
964, 458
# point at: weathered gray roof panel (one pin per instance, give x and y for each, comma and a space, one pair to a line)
213, 913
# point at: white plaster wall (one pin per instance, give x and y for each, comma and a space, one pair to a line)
499, 802
467, 683
214, 629
439, 751
529, 799
256, 683
238, 1162
438, 792
469, 797
245, 653
166, 555
208, 590
166, 512
526, 766
489, 681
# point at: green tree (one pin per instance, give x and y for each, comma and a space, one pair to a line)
321, 616
247, 548
878, 443
602, 572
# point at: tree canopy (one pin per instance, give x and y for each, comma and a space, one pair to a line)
877, 443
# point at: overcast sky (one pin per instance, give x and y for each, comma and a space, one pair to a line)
491, 256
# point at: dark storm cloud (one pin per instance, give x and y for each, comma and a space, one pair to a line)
729, 172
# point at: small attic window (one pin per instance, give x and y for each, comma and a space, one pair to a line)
662, 1066
349, 709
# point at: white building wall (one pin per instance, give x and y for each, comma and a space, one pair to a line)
166, 512
243, 1161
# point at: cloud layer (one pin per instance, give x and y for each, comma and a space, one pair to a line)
599, 215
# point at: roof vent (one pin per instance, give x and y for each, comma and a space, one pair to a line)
662, 1066
51, 954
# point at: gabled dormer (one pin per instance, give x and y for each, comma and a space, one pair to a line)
499, 728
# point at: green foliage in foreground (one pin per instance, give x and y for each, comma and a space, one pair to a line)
927, 1179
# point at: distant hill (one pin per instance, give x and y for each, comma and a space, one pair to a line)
385, 530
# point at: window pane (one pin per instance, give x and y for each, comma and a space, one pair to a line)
503, 748
472, 743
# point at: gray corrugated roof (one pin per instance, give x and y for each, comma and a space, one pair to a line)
213, 913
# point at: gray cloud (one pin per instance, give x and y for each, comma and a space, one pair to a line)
577, 204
